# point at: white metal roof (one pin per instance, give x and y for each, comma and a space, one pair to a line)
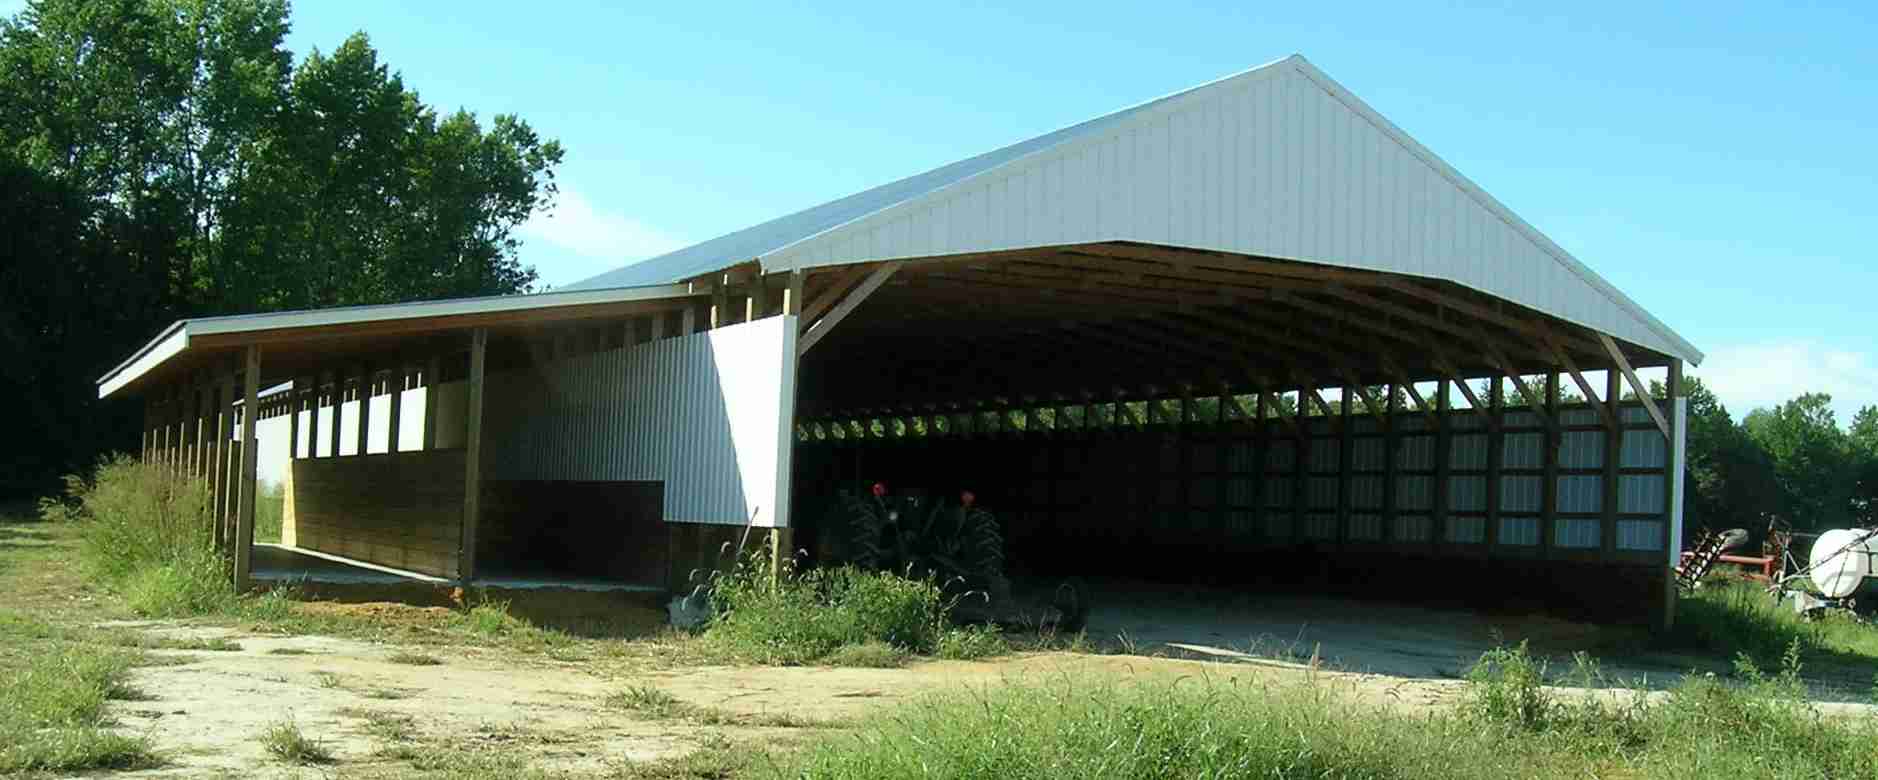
1277, 161
174, 340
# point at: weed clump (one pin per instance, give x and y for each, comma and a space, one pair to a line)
284, 741
149, 535
826, 615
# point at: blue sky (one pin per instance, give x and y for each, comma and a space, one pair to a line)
1716, 161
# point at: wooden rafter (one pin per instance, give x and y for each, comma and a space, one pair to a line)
1525, 390
821, 328
1578, 378
1636, 384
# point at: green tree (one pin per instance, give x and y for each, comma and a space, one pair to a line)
165, 159
1812, 459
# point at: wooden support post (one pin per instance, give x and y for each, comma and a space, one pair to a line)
782, 539
688, 322
394, 417
473, 447
250, 417
1548, 508
1389, 440
1301, 469
1261, 454
1444, 457
293, 423
1346, 442
1672, 494
368, 382
657, 327
339, 404
433, 383
224, 452
1496, 456
312, 390
1613, 455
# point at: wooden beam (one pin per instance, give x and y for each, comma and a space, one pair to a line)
1533, 401
1578, 378
1468, 392
368, 382
473, 446
821, 328
843, 280
293, 423
394, 417
244, 520
433, 379
339, 406
1636, 385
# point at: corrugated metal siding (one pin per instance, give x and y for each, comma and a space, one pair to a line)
1467, 530
710, 415
1519, 531
1272, 164
1413, 528
1580, 494
1577, 533
1639, 534
1366, 528
1581, 450
1522, 493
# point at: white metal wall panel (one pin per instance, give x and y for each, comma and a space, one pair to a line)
1522, 451
1277, 162
710, 415
1467, 494
1644, 450
1580, 493
1278, 492
1366, 491
1521, 493
1412, 528
1415, 452
1467, 530
1640, 494
1366, 528
1581, 450
1519, 531
1414, 492
1577, 533
1468, 452
1639, 534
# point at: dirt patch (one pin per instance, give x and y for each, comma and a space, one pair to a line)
205, 715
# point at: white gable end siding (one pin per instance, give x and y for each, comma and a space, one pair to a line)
1270, 163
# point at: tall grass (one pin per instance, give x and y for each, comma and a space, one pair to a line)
148, 535
842, 616
52, 711
1730, 616
1507, 725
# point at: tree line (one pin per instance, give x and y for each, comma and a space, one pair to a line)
162, 159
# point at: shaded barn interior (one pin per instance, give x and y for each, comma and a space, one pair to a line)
1132, 411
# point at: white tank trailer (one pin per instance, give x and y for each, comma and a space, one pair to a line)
1844, 564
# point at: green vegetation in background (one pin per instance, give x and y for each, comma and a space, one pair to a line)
162, 159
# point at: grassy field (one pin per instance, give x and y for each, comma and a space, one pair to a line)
61, 676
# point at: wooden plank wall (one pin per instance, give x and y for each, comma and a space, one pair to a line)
403, 510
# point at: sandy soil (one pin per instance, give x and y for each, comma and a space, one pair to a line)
206, 712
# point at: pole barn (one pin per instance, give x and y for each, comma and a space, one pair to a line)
1250, 333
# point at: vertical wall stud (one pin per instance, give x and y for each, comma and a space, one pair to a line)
250, 417
473, 445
